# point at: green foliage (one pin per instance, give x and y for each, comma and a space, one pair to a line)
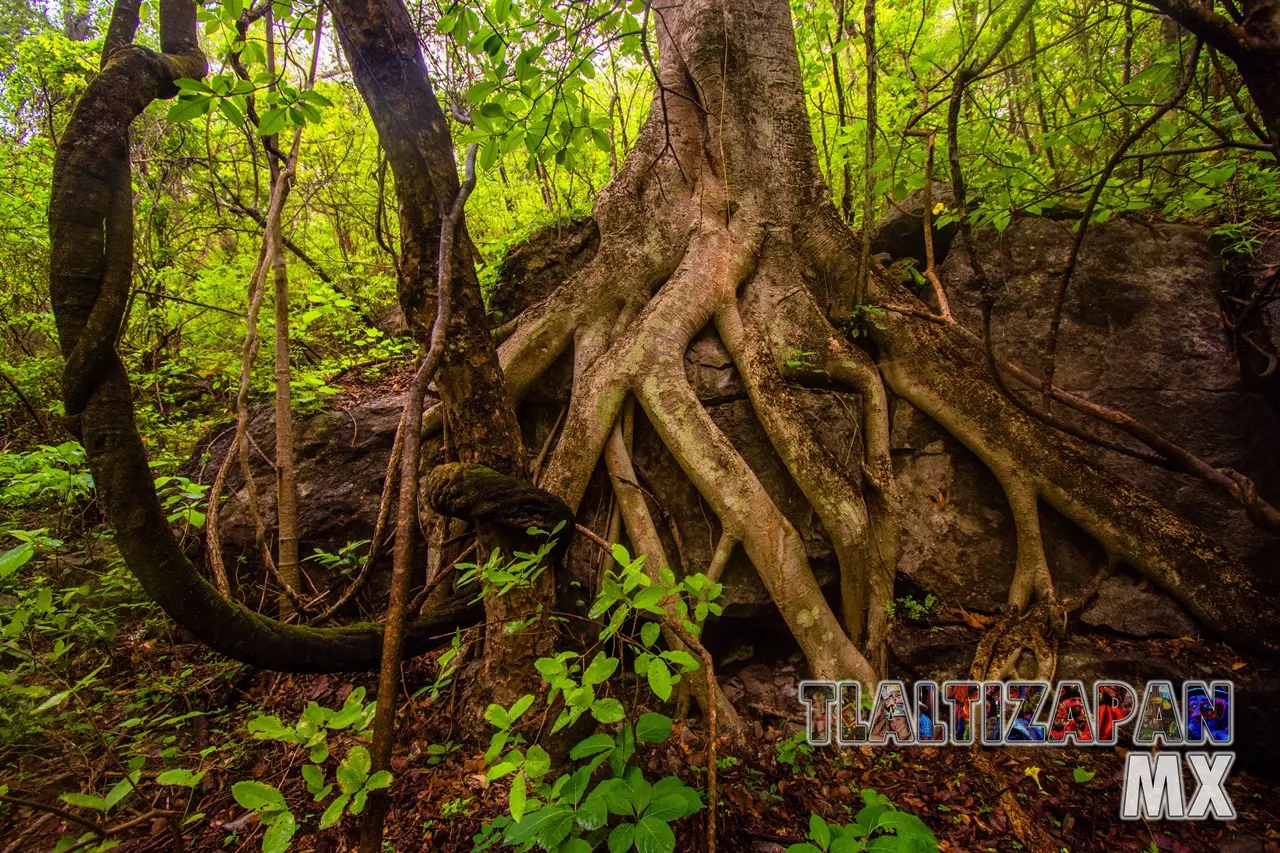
347, 560
913, 609
498, 578
795, 752
272, 810
863, 320
311, 732
49, 476
352, 778
624, 810
877, 826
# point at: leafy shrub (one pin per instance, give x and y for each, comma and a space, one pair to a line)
877, 826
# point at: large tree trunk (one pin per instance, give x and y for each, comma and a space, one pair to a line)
381, 43
720, 217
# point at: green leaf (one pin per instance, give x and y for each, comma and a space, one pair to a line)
536, 762
378, 781
602, 666
53, 701
641, 790
231, 111
620, 555
187, 108
907, 825
273, 121
660, 679
1082, 775
334, 812
16, 558
591, 746
85, 801
185, 778
653, 728
319, 753
617, 797
256, 795
516, 799
189, 84
313, 776
121, 789
311, 96
349, 712
488, 155
648, 598
818, 831
499, 770
607, 710
654, 836
649, 633
279, 833
522, 704
547, 820
622, 837
668, 808
594, 811
497, 716
353, 770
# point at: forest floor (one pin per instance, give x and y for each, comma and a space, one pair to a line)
179, 705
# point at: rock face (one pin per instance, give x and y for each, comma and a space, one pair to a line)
341, 457
1125, 606
1141, 332
900, 234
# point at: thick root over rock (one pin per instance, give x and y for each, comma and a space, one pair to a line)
720, 218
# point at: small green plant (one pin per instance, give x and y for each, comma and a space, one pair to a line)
624, 810
312, 729
877, 826
446, 666
182, 500
347, 559
497, 578
352, 778
30, 543
451, 810
795, 752
116, 798
862, 320
1083, 775
913, 609
272, 810
801, 360
1239, 238
48, 475
438, 753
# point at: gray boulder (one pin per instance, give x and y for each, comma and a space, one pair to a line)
900, 234
1141, 332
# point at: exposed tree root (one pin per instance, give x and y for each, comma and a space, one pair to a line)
921, 362
644, 537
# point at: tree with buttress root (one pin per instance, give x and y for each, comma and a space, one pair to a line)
719, 217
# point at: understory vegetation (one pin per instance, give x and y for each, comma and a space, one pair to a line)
223, 214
